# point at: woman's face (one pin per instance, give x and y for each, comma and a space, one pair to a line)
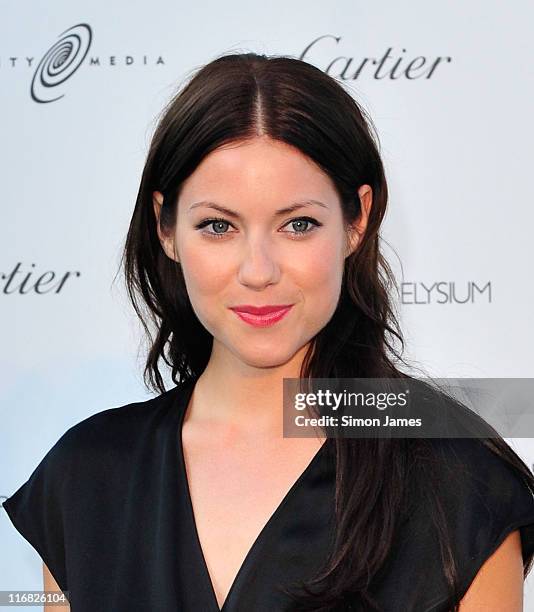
256, 255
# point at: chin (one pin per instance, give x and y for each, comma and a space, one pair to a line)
265, 356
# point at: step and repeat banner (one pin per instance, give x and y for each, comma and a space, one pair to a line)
448, 86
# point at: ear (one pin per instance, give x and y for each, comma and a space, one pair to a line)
357, 229
167, 242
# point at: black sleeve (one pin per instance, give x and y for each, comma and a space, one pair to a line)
462, 501
483, 499
36, 509
502, 502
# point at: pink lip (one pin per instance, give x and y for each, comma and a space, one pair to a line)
261, 317
260, 310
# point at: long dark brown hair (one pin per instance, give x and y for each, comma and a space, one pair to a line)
237, 97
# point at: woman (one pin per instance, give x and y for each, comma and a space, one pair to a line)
254, 249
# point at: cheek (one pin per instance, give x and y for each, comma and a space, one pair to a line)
205, 280
320, 275
201, 270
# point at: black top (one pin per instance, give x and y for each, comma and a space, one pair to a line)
109, 512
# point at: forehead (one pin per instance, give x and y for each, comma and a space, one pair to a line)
261, 171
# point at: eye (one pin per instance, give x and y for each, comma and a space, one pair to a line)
299, 222
217, 222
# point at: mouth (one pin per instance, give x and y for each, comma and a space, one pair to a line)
261, 317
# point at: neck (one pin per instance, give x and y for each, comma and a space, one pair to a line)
242, 397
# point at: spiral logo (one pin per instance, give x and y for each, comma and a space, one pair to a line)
60, 62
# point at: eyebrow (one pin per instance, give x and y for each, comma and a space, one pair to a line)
235, 215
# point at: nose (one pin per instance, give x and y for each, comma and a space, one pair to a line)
258, 267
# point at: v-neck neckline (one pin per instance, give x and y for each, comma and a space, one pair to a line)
187, 392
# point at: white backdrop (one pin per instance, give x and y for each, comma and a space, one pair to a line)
449, 87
